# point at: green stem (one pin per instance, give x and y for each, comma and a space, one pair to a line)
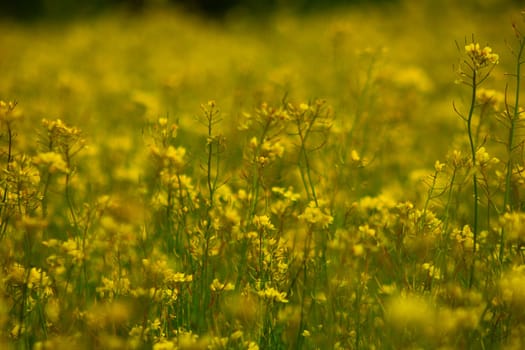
257, 172
69, 198
423, 218
3, 208
307, 180
211, 182
304, 289
308, 183
510, 144
474, 176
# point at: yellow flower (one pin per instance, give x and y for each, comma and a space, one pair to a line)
304, 107
358, 249
273, 294
314, 215
7, 114
253, 346
175, 156
253, 142
165, 345
236, 335
74, 249
272, 149
512, 287
490, 97
366, 231
163, 121
514, 225
59, 127
483, 158
438, 166
410, 312
263, 222
355, 156
52, 161
288, 194
217, 286
432, 270
481, 57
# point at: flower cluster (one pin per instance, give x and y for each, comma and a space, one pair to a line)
481, 57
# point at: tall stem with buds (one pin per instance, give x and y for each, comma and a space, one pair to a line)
478, 60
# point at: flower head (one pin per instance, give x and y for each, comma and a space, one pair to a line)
481, 57
314, 215
6, 112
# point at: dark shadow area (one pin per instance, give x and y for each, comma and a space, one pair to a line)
69, 9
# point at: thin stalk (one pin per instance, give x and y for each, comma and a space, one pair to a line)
181, 221
69, 198
169, 220
474, 176
211, 180
3, 207
304, 289
257, 173
44, 195
306, 174
510, 143
449, 201
422, 220
47, 183
262, 276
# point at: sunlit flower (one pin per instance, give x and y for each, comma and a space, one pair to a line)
481, 57
217, 286
52, 161
7, 112
273, 294
314, 215
263, 222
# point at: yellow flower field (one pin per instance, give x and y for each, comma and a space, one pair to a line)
339, 179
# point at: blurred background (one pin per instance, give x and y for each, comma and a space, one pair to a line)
120, 64
69, 9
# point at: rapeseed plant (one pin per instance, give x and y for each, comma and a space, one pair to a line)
474, 74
